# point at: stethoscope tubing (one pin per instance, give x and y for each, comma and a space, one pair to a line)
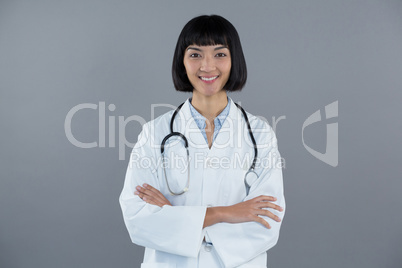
250, 132
175, 133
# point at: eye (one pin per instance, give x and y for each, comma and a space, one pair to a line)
195, 55
219, 55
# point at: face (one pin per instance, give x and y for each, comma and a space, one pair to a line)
207, 67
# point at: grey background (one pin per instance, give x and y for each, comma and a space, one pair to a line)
59, 203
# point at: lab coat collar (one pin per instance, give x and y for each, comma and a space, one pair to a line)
200, 119
226, 137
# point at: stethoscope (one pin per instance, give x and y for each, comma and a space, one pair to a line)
250, 175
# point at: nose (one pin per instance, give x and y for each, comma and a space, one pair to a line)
207, 64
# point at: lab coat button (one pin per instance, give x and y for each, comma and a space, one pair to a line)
208, 162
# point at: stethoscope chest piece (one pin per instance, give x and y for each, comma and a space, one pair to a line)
249, 178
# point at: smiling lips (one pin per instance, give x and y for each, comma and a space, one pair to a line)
208, 79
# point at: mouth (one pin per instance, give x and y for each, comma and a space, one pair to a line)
208, 79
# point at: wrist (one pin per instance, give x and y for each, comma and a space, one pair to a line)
220, 214
214, 215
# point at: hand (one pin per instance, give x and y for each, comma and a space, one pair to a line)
151, 195
250, 210
246, 211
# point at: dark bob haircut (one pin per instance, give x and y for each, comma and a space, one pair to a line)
208, 31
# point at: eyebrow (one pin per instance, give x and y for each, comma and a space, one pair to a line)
195, 48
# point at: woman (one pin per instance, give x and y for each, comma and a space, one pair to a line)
200, 211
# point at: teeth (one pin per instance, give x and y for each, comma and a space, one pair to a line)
208, 79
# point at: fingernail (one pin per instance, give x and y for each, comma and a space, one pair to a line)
145, 185
138, 188
136, 193
145, 199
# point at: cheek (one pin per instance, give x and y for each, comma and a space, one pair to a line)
186, 65
226, 67
190, 68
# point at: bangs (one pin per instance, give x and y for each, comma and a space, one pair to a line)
208, 33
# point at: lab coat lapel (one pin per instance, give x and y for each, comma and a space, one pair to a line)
187, 125
226, 140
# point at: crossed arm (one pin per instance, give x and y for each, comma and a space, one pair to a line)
246, 211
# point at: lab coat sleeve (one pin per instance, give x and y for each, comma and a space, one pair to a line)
237, 244
173, 229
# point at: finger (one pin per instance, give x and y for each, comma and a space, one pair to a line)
269, 214
154, 190
140, 189
262, 221
152, 201
157, 195
153, 194
148, 199
262, 198
142, 193
151, 191
266, 204
159, 198
145, 191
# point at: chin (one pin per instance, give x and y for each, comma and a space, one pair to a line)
210, 92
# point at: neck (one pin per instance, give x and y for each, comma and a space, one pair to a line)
210, 106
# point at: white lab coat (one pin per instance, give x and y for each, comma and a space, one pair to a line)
173, 235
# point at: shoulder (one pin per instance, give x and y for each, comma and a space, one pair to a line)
258, 122
263, 133
160, 121
155, 130
160, 126
152, 133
